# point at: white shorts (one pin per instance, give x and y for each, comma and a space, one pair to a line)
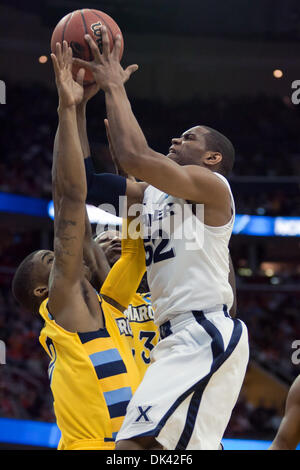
192, 384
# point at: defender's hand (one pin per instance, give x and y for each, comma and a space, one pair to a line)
106, 67
70, 91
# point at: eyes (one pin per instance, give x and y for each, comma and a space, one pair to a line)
108, 239
188, 137
104, 240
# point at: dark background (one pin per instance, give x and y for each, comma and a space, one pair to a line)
201, 62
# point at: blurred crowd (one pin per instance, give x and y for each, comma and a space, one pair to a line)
24, 385
264, 130
274, 202
253, 422
273, 324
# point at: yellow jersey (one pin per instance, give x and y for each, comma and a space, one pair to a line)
121, 286
93, 375
141, 330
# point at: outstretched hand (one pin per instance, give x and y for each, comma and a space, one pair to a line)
106, 67
70, 91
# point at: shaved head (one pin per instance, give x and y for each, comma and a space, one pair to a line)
204, 146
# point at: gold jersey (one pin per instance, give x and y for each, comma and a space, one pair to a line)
140, 328
121, 286
92, 375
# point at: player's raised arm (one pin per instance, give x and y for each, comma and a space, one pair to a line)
118, 168
89, 91
93, 254
103, 188
187, 181
94, 257
126, 274
69, 184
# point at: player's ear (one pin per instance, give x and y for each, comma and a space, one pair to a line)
41, 291
212, 158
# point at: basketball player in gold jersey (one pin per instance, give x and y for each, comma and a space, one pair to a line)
138, 325
92, 371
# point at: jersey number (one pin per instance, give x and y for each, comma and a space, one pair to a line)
149, 335
156, 254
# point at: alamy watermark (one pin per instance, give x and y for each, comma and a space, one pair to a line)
2, 352
295, 98
164, 221
2, 92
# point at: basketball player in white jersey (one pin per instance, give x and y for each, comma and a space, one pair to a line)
191, 386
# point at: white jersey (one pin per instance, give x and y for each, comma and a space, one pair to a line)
187, 263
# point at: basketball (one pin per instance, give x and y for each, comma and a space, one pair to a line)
75, 25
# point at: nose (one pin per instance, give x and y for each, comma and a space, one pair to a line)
176, 140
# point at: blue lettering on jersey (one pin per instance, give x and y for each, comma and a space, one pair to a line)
158, 214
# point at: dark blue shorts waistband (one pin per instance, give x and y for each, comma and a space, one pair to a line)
166, 328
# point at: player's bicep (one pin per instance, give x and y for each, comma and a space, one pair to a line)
190, 182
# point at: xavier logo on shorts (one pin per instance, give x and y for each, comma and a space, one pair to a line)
143, 414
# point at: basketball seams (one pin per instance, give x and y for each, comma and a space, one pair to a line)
86, 32
65, 26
